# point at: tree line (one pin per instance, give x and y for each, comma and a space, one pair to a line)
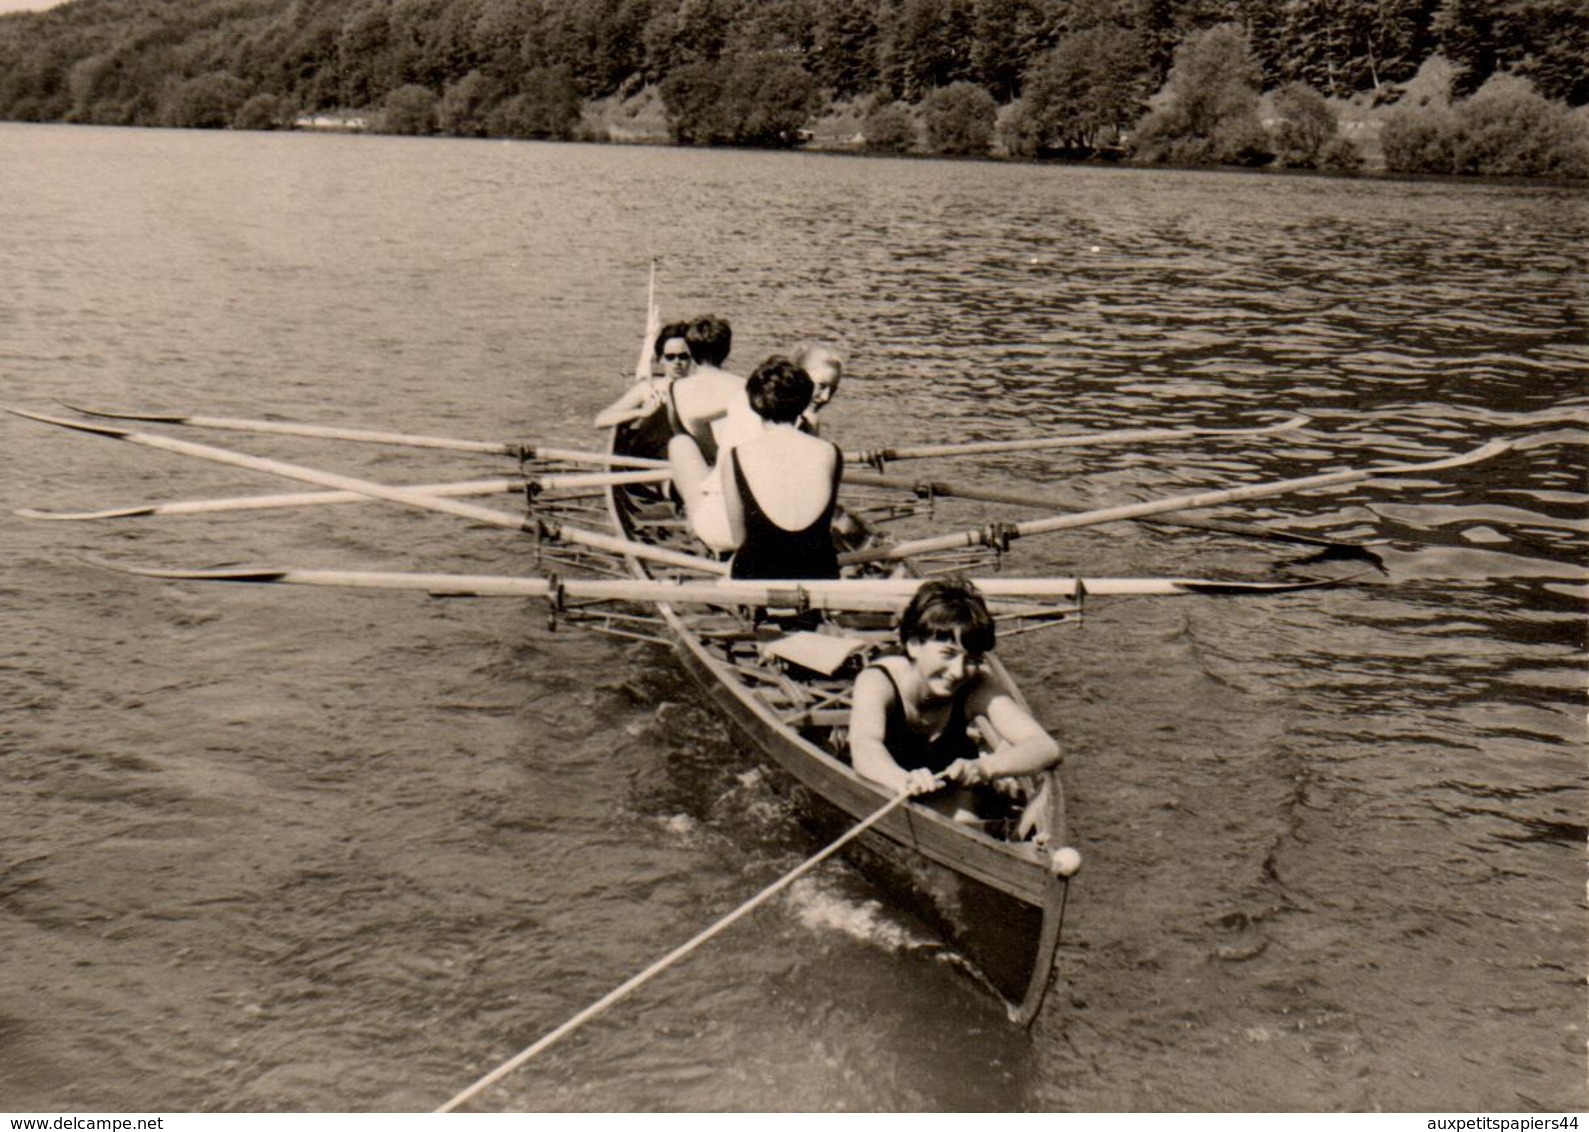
1188, 81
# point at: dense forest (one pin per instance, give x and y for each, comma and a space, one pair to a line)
1477, 86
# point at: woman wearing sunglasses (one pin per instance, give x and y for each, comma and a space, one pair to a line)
664, 359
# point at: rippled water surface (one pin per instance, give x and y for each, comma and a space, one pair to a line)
311, 849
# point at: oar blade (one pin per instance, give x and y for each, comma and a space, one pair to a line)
79, 516
372, 436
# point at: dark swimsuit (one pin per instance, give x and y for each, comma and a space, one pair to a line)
771, 551
649, 436
914, 751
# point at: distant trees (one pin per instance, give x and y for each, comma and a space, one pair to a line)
1544, 41
410, 109
466, 105
263, 112
1082, 95
889, 127
1058, 76
1506, 129
208, 102
1306, 133
760, 100
547, 106
1341, 46
959, 119
1207, 113
925, 46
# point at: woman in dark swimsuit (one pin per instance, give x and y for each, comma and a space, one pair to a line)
781, 486
912, 717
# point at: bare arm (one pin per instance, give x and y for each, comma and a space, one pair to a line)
868, 728
1020, 744
733, 504
638, 402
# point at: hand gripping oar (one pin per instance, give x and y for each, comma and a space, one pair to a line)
1000, 534
404, 496
623, 991
371, 436
879, 456
554, 487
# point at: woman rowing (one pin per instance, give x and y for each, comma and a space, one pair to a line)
772, 496
664, 349
916, 717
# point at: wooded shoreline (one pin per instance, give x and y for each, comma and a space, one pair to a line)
1399, 86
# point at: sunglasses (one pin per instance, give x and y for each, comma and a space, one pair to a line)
675, 357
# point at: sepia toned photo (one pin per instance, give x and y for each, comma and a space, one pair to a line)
811, 556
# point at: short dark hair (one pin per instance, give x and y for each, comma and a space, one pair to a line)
779, 390
671, 330
709, 338
948, 609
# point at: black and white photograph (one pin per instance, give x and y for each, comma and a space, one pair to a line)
807, 556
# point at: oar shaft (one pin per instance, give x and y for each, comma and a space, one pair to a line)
405, 496
1079, 440
1192, 502
555, 486
379, 436
366, 436
269, 502
622, 991
1030, 499
872, 594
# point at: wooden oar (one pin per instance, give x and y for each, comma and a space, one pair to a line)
1000, 534
875, 456
879, 456
622, 991
1048, 503
556, 487
853, 594
404, 496
371, 436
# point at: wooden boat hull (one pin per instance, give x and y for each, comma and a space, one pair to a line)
996, 902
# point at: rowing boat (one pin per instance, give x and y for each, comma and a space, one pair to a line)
996, 891
998, 900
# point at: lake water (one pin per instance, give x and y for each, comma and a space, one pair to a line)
270, 849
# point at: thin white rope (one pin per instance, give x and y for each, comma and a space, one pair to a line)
621, 992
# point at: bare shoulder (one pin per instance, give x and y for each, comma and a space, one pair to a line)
875, 681
985, 692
